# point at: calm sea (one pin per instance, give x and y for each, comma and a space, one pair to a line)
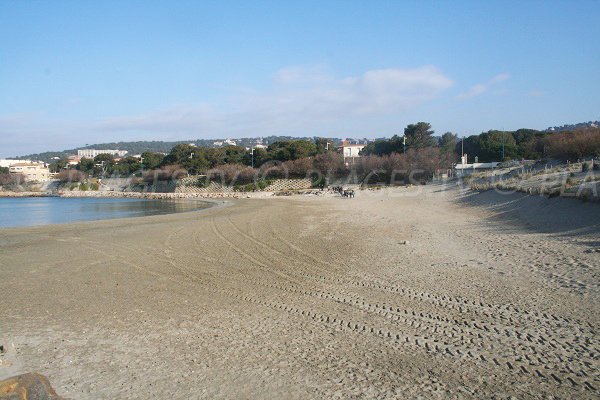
56, 210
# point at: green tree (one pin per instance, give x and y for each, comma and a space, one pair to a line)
291, 150
448, 142
179, 154
86, 165
323, 145
196, 163
529, 143
151, 160
383, 147
260, 157
59, 165
127, 166
419, 135
103, 164
491, 144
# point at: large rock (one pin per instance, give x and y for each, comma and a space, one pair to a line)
32, 386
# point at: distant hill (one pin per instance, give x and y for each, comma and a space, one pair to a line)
139, 147
570, 127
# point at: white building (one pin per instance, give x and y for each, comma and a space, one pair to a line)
7, 162
74, 160
351, 150
229, 142
479, 166
464, 168
91, 153
31, 171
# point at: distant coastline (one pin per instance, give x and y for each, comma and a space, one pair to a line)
6, 193
128, 195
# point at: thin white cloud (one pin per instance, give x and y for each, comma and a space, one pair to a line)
500, 77
481, 88
301, 100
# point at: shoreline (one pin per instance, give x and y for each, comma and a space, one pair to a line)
133, 195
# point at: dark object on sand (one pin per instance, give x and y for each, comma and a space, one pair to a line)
32, 386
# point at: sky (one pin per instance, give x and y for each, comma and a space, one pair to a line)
80, 72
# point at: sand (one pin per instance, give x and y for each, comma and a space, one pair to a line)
423, 292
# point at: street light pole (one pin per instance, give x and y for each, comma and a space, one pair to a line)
252, 153
502, 144
404, 143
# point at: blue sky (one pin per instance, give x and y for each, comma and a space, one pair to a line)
77, 72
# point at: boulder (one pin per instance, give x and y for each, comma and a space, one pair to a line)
32, 386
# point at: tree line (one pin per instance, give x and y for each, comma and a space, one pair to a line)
495, 145
418, 146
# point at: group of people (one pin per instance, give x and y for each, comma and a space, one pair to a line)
343, 192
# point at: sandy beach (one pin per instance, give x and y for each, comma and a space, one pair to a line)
422, 292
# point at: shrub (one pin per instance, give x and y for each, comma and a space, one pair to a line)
231, 174
167, 173
570, 182
274, 170
259, 185
71, 175
329, 164
263, 184
318, 182
11, 179
573, 145
416, 164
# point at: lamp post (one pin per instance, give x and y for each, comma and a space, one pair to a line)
252, 154
404, 143
502, 144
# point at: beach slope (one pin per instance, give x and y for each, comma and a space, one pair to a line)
399, 293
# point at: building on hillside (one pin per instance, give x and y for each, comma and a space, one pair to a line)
31, 171
91, 153
74, 160
218, 143
351, 150
7, 162
230, 142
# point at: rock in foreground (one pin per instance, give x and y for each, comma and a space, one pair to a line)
32, 386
